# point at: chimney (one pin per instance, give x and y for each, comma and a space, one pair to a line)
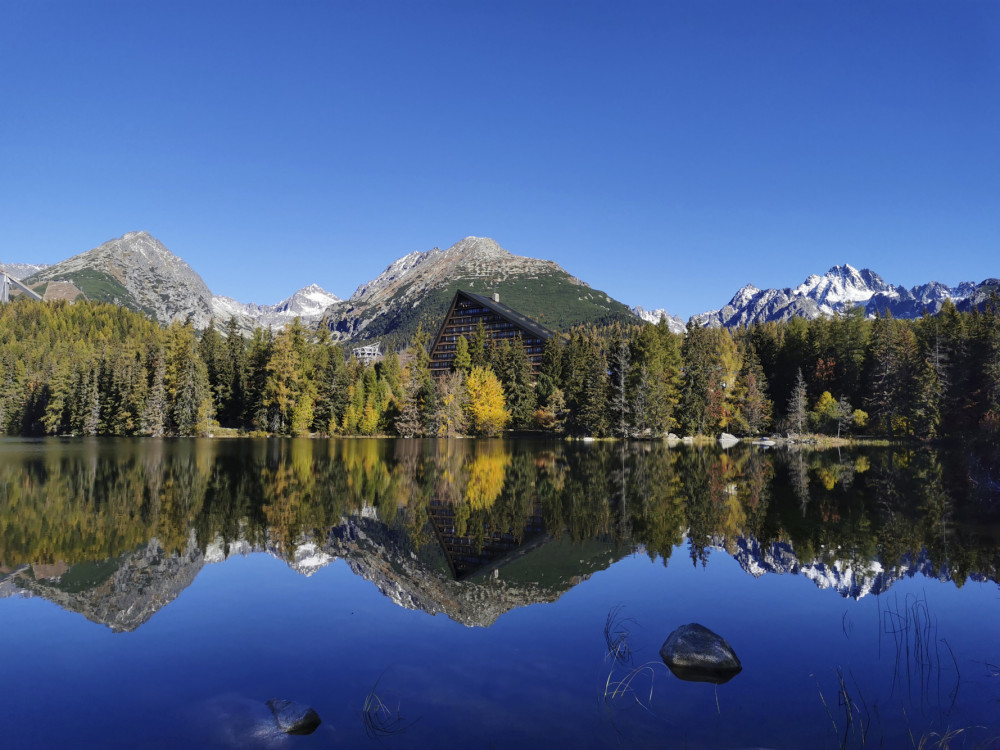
496, 296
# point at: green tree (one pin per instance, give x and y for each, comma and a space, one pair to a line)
798, 405
283, 385
463, 359
189, 398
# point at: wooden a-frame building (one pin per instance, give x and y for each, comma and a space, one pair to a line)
467, 310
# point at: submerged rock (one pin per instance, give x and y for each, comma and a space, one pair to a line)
695, 653
292, 717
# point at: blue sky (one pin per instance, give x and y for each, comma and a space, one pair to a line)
665, 152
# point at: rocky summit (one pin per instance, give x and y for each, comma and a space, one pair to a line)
135, 271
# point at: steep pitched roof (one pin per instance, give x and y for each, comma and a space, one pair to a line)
523, 321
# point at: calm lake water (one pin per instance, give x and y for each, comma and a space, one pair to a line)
479, 594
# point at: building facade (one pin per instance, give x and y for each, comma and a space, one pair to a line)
467, 310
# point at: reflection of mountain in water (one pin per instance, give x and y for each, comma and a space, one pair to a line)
122, 593
849, 578
126, 592
421, 578
471, 529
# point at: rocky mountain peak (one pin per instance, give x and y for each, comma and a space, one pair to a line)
745, 294
479, 247
137, 271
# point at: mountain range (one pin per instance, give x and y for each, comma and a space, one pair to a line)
138, 272
840, 290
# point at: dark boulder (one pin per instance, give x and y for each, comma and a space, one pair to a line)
292, 717
695, 653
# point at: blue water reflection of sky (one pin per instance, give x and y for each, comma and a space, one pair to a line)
251, 628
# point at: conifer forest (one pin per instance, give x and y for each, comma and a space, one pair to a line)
99, 369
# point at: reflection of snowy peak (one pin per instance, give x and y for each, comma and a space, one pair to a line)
848, 578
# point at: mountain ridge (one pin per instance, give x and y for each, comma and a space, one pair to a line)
136, 270
838, 291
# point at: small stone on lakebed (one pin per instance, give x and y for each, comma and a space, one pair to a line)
292, 717
695, 653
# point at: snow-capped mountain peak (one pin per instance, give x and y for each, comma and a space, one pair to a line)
841, 285
674, 323
309, 303
839, 290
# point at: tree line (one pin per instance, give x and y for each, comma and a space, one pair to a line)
98, 369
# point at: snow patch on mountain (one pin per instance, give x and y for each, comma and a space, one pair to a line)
839, 290
309, 303
674, 323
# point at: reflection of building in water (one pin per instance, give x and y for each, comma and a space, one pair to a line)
471, 554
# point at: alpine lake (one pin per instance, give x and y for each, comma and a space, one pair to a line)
495, 594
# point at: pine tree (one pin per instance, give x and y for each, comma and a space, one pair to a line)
463, 359
258, 356
513, 369
989, 369
452, 401
698, 365
283, 386
186, 382
154, 413
926, 401
798, 404
593, 406
409, 422
477, 346
619, 408
754, 406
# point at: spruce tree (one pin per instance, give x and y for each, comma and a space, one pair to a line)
798, 404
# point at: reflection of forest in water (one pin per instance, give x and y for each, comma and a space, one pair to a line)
67, 503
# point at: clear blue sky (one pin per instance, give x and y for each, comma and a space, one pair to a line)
666, 152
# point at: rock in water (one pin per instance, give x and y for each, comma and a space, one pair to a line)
292, 717
695, 653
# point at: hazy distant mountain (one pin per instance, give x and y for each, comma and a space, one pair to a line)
22, 270
839, 290
674, 323
417, 288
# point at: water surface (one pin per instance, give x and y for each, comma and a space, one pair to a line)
488, 593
